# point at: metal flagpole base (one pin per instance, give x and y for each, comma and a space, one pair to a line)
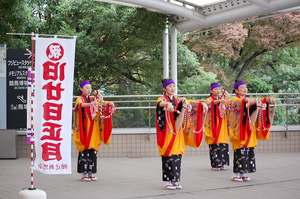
32, 193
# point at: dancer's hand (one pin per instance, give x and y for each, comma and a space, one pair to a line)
271, 100
249, 101
221, 100
225, 94
94, 103
170, 107
205, 107
98, 96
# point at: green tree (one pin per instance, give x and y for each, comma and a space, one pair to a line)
231, 50
14, 14
118, 48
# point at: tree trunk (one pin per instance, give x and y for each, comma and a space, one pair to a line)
248, 62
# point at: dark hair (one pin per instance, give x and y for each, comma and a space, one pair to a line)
214, 83
164, 80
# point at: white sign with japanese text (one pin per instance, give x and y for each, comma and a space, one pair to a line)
52, 106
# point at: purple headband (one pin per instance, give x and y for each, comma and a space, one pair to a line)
214, 86
237, 84
84, 83
168, 82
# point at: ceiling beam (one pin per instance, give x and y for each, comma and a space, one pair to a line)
260, 3
162, 7
236, 14
186, 19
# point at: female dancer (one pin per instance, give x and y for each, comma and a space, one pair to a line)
179, 123
216, 131
249, 120
92, 125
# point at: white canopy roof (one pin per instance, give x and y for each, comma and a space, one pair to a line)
189, 15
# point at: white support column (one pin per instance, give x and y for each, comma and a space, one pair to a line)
166, 52
174, 55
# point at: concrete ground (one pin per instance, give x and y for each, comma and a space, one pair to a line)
277, 177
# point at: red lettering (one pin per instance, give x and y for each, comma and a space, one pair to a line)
53, 133
53, 92
54, 71
51, 151
52, 111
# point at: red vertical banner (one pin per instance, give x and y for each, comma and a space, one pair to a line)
54, 71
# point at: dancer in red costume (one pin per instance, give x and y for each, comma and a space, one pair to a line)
249, 120
216, 131
92, 125
179, 122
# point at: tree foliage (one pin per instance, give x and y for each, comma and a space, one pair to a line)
119, 48
264, 53
233, 49
116, 45
14, 14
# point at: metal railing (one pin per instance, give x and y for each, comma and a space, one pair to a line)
138, 111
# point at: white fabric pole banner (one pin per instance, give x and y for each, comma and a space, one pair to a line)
52, 106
